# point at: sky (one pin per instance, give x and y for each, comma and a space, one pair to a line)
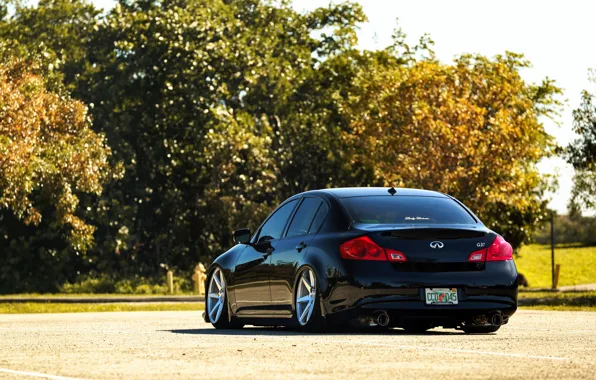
555, 36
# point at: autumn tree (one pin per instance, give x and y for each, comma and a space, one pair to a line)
47, 151
48, 156
471, 129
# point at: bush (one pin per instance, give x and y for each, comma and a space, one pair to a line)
90, 285
569, 230
135, 285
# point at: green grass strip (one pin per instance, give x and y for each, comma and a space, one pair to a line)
559, 308
33, 308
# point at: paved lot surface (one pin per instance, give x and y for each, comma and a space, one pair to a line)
535, 344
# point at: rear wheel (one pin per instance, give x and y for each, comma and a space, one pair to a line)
217, 302
480, 329
307, 305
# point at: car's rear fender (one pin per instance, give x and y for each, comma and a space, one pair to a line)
324, 257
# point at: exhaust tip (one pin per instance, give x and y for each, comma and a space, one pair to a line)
497, 319
480, 320
383, 319
364, 320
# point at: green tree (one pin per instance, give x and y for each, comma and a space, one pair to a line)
59, 29
581, 153
192, 97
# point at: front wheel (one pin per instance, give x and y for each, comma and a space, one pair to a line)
308, 305
217, 303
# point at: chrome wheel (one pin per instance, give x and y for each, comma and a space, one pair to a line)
216, 295
306, 296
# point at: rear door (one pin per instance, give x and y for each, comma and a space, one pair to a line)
291, 249
253, 268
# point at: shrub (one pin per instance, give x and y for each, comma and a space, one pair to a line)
134, 285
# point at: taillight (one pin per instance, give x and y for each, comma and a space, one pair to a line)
499, 250
394, 255
363, 248
477, 256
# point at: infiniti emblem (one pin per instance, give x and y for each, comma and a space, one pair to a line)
437, 245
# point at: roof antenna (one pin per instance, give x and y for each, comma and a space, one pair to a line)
392, 191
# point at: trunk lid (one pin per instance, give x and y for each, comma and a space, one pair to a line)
432, 248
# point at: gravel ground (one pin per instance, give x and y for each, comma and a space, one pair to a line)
535, 344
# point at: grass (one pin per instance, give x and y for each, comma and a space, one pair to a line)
559, 308
572, 296
571, 301
578, 265
90, 295
33, 308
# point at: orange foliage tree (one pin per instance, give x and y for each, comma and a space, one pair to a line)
471, 129
48, 153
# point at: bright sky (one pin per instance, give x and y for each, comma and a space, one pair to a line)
556, 36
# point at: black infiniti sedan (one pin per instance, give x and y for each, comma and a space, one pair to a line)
383, 257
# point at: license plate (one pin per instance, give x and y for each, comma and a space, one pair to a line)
440, 296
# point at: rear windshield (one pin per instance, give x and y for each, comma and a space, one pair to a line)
406, 210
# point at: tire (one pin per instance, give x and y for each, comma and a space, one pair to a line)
480, 329
307, 302
216, 302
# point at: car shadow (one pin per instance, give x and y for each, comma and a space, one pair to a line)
279, 331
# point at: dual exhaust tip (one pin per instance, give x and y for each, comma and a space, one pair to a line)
495, 319
379, 318
382, 319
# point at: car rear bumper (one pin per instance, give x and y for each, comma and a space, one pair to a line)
402, 308
373, 288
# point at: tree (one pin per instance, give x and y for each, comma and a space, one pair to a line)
47, 151
48, 155
470, 129
192, 97
57, 28
315, 121
220, 109
581, 153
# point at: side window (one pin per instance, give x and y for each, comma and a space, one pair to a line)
274, 227
319, 218
304, 217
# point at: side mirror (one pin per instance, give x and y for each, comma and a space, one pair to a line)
242, 236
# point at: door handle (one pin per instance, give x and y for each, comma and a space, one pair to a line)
301, 246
